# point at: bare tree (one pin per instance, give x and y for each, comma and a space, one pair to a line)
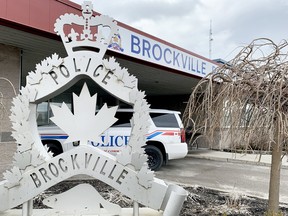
247, 98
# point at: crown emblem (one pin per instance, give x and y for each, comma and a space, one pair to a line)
86, 33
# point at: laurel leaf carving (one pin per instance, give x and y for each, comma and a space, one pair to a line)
13, 177
122, 74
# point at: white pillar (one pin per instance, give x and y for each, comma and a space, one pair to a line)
27, 208
135, 208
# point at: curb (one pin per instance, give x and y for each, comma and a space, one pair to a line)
230, 160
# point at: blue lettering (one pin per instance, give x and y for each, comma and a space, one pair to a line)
126, 138
116, 141
198, 67
135, 42
154, 53
184, 62
192, 65
146, 47
110, 142
103, 140
175, 58
165, 56
97, 144
203, 68
113, 141
105, 145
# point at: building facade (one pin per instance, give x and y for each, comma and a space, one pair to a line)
166, 73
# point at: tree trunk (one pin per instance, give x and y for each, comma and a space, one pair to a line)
273, 203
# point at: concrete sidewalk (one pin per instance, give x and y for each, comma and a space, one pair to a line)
247, 158
49, 212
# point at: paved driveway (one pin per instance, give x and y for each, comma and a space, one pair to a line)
235, 177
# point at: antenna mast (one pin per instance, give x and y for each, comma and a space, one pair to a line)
210, 40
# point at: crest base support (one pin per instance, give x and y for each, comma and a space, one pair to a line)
49, 212
135, 208
27, 208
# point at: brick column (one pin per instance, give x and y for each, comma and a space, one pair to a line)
10, 74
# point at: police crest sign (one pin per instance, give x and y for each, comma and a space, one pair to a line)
35, 170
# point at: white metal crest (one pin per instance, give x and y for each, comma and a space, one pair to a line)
35, 169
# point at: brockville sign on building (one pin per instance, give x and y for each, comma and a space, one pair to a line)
35, 170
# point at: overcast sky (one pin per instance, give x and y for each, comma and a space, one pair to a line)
186, 23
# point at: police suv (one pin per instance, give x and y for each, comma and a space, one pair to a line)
164, 141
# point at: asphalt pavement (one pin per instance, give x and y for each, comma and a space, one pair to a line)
7, 151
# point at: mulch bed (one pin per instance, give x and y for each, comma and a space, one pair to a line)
200, 201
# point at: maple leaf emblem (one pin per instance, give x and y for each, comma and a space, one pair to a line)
84, 125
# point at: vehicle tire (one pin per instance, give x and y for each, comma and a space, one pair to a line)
155, 157
53, 148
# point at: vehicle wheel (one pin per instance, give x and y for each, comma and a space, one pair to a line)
155, 157
53, 148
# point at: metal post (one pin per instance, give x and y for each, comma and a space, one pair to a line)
27, 208
135, 208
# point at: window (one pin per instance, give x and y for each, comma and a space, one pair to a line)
164, 120
42, 113
123, 119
